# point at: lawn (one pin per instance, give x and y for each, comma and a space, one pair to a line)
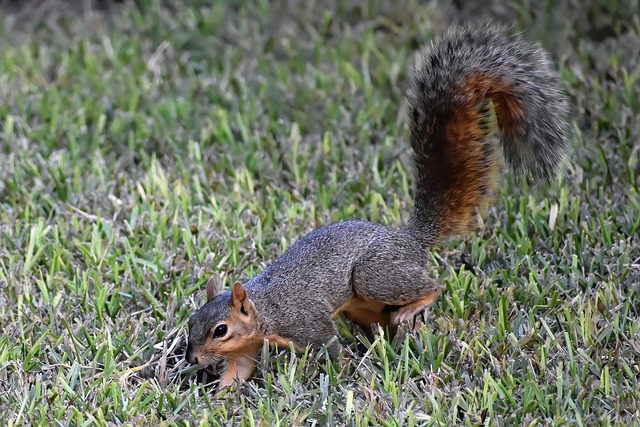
147, 146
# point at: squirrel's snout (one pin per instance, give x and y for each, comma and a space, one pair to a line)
189, 356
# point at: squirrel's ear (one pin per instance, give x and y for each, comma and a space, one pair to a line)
238, 294
240, 300
213, 288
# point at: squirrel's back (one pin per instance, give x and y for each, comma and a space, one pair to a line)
473, 87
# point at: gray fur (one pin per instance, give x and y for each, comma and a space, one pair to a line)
297, 296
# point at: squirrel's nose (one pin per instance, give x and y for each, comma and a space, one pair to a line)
190, 357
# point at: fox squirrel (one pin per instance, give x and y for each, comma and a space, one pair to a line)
476, 92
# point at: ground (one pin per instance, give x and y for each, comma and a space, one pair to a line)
145, 146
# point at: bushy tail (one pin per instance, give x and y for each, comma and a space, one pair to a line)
472, 88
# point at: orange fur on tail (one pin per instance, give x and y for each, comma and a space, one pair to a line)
475, 94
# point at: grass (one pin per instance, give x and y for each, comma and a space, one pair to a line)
145, 147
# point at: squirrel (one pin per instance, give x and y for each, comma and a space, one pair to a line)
478, 96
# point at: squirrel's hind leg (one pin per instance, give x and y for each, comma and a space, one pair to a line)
407, 313
396, 278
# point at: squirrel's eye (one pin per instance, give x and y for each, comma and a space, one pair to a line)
220, 331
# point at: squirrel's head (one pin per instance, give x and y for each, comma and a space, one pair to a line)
224, 326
